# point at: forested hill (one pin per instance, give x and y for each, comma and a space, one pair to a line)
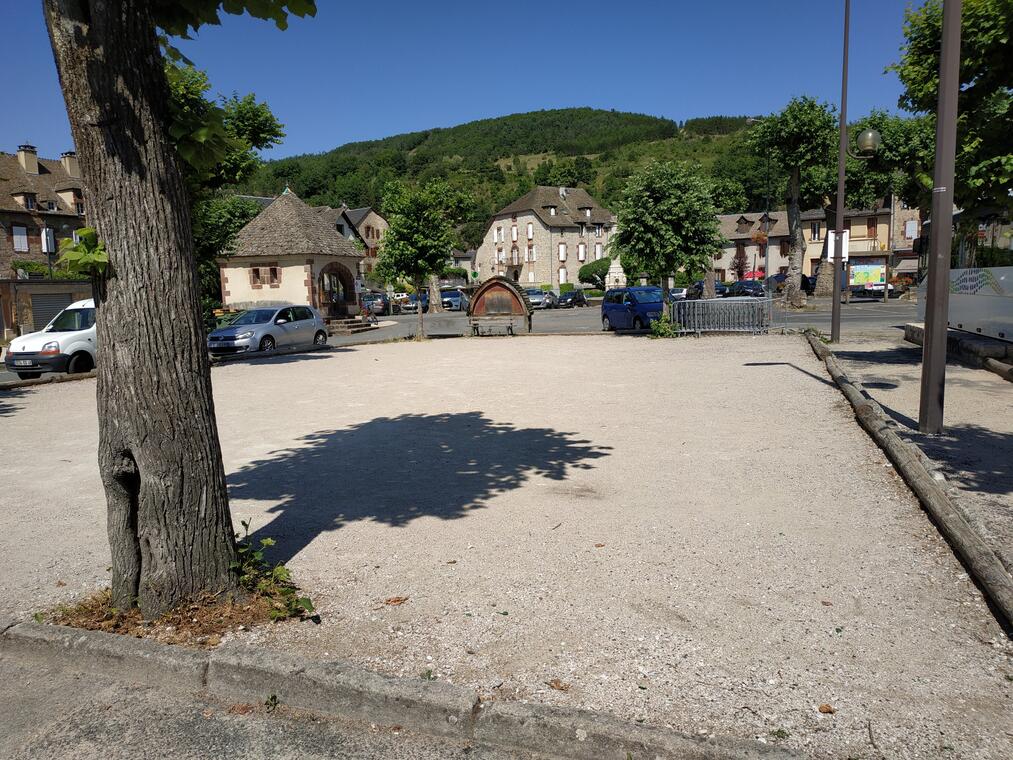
496, 160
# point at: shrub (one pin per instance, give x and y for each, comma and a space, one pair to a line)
565, 287
664, 327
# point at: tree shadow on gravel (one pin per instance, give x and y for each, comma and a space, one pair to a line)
393, 470
7, 399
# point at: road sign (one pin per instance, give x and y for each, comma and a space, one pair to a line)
831, 245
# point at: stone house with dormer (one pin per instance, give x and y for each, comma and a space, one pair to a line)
545, 237
41, 204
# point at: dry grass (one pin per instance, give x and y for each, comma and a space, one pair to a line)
200, 624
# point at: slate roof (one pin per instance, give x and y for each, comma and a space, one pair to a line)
817, 214
569, 208
289, 227
729, 225
356, 215
51, 178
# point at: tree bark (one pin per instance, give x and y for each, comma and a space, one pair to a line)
420, 285
168, 521
825, 278
435, 302
796, 245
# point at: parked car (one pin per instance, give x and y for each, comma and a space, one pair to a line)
411, 306
572, 299
777, 283
695, 291
66, 344
542, 299
377, 303
748, 288
268, 328
631, 308
454, 300
678, 294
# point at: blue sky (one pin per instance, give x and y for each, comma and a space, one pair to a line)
366, 70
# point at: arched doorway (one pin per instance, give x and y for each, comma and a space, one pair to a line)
336, 287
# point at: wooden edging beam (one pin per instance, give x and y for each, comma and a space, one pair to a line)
984, 566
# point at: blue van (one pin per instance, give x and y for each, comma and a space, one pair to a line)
631, 308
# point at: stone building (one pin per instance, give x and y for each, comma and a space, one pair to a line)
41, 204
744, 236
291, 253
545, 237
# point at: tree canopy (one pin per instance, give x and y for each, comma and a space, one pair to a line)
984, 161
666, 221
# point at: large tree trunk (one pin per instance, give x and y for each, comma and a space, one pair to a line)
420, 285
825, 277
793, 295
170, 531
435, 301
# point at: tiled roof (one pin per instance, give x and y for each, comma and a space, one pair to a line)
356, 215
751, 224
289, 227
570, 205
51, 178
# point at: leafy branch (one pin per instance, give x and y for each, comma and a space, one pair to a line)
87, 256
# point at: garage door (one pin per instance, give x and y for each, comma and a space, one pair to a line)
45, 306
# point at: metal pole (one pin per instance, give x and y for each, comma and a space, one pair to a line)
930, 411
842, 154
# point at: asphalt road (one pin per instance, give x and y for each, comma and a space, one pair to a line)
856, 318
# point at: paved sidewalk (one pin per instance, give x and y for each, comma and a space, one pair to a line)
689, 533
975, 451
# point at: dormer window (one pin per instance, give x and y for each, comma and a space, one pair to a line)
51, 205
587, 213
743, 225
552, 210
79, 207
28, 201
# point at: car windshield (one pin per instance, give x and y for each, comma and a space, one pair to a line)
71, 320
451, 293
647, 295
254, 317
535, 292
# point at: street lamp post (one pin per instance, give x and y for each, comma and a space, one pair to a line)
930, 410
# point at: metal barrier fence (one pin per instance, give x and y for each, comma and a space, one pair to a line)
739, 315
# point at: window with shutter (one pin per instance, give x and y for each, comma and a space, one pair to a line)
531, 231
562, 251
513, 233
562, 276
598, 251
582, 252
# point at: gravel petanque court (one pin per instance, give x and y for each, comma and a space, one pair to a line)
689, 533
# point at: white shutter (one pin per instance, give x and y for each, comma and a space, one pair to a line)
531, 231
597, 251
581, 252
562, 251
20, 238
562, 276
48, 240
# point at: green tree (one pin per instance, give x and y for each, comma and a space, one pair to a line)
984, 161
420, 235
801, 139
170, 531
595, 273
216, 221
729, 195
666, 221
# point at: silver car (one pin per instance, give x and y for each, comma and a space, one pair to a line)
268, 328
542, 299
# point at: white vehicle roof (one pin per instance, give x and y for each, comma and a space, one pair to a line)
88, 303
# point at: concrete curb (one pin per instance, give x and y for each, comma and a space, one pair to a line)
982, 563
10, 385
344, 691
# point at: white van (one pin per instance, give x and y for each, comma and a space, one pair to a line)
67, 344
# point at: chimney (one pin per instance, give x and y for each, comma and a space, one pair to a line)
28, 158
69, 160
562, 193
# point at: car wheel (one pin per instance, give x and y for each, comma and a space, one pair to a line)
29, 375
320, 339
80, 362
606, 324
638, 323
267, 343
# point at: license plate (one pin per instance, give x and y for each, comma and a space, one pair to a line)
217, 345
23, 362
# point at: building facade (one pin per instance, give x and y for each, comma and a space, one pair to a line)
545, 237
291, 253
750, 238
41, 204
886, 232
